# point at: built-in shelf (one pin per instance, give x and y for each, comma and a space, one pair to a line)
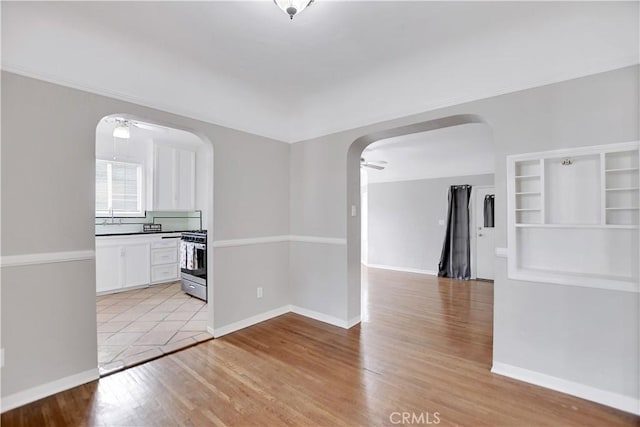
574, 216
623, 189
621, 170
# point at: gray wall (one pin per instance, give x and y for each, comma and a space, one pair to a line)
48, 154
403, 220
589, 336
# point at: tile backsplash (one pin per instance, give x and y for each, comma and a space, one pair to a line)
170, 220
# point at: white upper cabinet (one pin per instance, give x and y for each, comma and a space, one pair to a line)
174, 178
185, 182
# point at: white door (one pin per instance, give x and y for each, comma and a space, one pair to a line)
108, 268
485, 239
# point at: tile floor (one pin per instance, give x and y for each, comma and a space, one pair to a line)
139, 325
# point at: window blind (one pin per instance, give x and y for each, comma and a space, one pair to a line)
118, 188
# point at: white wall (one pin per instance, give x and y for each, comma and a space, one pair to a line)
403, 221
48, 156
581, 335
587, 336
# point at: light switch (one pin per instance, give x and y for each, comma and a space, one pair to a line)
441, 222
353, 210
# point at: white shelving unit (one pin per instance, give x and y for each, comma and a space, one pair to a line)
573, 216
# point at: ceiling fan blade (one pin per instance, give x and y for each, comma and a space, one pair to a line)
148, 127
372, 166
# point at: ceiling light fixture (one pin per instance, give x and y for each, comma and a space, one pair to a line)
292, 7
122, 130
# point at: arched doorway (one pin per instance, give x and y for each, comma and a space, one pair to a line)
145, 259
354, 196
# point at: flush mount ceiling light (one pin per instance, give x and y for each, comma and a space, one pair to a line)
292, 7
122, 129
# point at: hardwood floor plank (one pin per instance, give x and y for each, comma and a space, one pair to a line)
424, 346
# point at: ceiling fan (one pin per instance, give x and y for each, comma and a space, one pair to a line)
123, 126
375, 164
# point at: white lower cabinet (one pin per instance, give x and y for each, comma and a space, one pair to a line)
164, 273
124, 262
164, 261
136, 261
108, 268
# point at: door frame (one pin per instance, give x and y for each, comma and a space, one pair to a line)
208, 218
473, 225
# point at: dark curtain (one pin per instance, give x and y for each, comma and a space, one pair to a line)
455, 260
489, 200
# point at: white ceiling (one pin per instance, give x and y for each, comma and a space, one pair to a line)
455, 151
338, 65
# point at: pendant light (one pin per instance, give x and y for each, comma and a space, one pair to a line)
292, 7
122, 129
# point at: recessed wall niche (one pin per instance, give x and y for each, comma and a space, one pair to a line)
573, 216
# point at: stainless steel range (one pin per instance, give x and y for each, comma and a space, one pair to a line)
193, 263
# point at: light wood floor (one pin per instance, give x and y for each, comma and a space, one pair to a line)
424, 347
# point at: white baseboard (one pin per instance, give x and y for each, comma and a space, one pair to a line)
253, 320
615, 400
48, 389
315, 315
249, 321
403, 269
353, 322
36, 393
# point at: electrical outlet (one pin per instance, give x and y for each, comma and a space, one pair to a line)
441, 222
259, 292
1, 357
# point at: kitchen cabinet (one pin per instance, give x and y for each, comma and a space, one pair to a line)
122, 265
136, 260
108, 268
164, 261
174, 178
124, 262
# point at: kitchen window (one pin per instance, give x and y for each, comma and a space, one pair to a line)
118, 189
